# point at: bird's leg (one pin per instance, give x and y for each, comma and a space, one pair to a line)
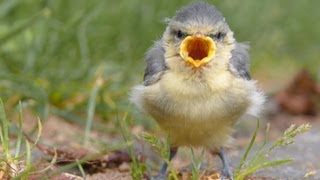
162, 173
226, 172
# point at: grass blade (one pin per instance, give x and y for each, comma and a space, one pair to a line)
257, 155
19, 139
52, 163
90, 111
92, 105
24, 25
7, 6
163, 149
255, 168
125, 134
81, 169
4, 131
244, 157
137, 168
38, 134
196, 165
28, 161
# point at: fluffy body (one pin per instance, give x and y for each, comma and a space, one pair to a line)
201, 115
198, 106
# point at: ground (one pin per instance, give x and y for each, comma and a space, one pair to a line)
65, 135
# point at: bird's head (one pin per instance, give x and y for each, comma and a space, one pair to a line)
198, 35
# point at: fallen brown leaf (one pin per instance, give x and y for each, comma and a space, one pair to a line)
301, 95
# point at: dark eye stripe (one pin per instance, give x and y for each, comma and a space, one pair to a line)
179, 34
218, 36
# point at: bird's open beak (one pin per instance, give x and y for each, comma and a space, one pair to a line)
197, 50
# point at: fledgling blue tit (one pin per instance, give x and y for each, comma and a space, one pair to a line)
197, 83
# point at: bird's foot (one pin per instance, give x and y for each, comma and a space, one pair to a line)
226, 174
159, 177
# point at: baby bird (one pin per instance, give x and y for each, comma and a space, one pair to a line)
197, 83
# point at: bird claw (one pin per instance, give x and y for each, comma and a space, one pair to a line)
226, 174
159, 177
226, 178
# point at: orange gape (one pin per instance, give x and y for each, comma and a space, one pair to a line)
197, 50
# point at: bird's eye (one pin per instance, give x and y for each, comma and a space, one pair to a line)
218, 36
180, 34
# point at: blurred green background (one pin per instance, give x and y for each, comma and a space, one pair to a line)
53, 51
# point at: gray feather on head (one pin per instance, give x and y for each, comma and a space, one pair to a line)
201, 12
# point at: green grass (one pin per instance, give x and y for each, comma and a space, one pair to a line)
163, 149
196, 165
15, 164
137, 168
258, 159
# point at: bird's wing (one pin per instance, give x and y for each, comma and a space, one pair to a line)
155, 64
239, 63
